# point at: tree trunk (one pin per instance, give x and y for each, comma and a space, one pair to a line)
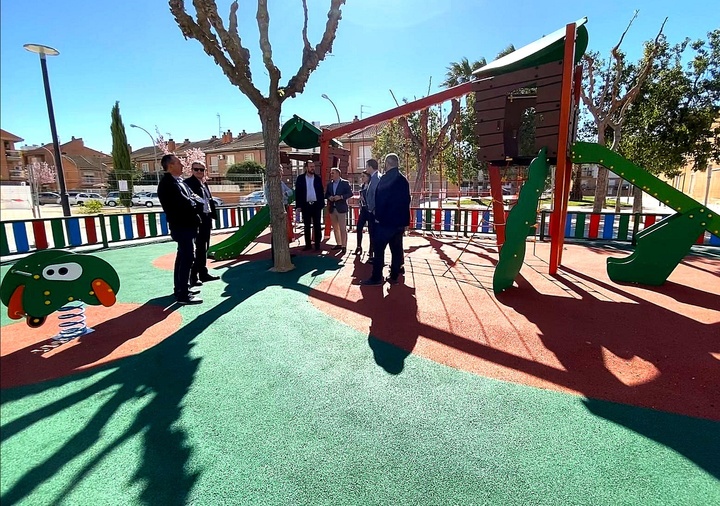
618, 197
637, 199
270, 119
418, 189
577, 193
601, 184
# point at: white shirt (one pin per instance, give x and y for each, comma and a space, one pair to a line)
309, 180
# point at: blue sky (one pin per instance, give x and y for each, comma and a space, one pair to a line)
133, 52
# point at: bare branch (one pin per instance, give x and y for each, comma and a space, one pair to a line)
440, 139
306, 42
206, 13
312, 57
263, 21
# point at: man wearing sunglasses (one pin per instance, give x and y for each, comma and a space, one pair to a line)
178, 202
205, 206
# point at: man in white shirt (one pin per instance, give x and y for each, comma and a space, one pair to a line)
309, 195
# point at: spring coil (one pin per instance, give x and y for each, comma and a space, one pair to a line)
72, 320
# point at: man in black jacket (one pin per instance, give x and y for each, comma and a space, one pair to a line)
309, 198
205, 208
392, 215
179, 205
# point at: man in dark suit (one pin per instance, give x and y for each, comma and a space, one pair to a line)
392, 215
205, 207
337, 193
309, 199
178, 202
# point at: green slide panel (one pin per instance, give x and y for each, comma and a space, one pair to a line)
520, 224
661, 247
241, 239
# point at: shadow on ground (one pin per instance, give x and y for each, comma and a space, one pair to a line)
163, 374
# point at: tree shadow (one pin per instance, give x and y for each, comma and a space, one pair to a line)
636, 353
164, 375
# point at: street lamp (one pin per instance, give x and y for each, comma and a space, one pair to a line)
155, 168
44, 51
333, 104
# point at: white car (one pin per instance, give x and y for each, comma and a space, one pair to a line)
146, 199
79, 199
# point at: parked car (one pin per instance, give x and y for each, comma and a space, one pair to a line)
256, 198
218, 201
112, 199
146, 199
48, 198
80, 198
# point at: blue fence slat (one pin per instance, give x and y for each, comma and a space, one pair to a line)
608, 225
485, 222
418, 219
569, 224
163, 224
127, 226
21, 238
226, 219
73, 230
714, 240
448, 220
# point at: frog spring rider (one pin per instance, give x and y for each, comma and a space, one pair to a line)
58, 280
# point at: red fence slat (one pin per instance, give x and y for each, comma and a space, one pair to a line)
594, 229
90, 230
140, 220
41, 241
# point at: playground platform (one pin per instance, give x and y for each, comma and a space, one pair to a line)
307, 388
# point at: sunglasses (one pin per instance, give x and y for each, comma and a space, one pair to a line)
198, 169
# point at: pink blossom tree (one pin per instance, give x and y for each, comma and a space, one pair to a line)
40, 173
187, 158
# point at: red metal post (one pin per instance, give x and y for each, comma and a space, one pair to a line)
325, 161
563, 171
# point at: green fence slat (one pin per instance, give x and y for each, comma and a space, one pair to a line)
57, 233
244, 215
428, 219
457, 220
114, 227
623, 226
4, 247
580, 225
152, 222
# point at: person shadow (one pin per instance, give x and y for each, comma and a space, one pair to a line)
394, 325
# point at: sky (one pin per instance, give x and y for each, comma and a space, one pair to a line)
133, 52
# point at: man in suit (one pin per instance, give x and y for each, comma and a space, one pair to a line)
392, 215
310, 201
178, 202
338, 192
205, 207
371, 167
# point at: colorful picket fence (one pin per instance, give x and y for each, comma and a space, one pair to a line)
24, 236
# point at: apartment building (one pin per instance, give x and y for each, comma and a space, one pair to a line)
11, 163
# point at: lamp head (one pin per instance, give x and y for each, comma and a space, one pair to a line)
325, 96
41, 49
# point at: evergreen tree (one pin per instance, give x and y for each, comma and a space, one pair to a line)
121, 155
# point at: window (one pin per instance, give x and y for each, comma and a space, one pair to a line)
250, 156
145, 167
214, 165
229, 160
88, 178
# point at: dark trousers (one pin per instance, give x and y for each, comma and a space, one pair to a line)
365, 217
392, 237
202, 243
185, 239
312, 213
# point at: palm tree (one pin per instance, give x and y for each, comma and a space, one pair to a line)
461, 72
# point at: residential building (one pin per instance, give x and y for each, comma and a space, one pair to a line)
84, 168
11, 163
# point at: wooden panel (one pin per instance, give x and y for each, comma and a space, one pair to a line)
489, 127
491, 103
522, 78
547, 119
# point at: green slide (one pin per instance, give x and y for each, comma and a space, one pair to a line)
520, 224
241, 239
663, 245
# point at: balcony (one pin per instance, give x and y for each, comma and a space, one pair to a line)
13, 155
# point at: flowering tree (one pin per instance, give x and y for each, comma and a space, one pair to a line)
187, 159
40, 173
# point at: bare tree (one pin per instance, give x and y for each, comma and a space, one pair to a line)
226, 48
605, 103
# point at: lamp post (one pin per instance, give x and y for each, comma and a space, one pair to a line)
333, 104
157, 176
44, 51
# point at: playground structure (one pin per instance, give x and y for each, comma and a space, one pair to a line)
550, 65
